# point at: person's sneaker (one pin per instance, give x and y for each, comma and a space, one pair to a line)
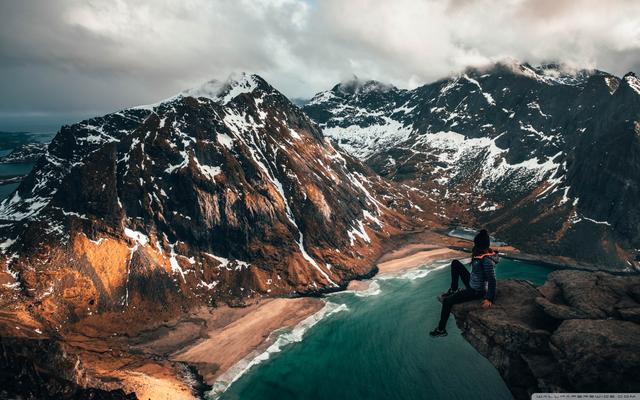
438, 332
448, 293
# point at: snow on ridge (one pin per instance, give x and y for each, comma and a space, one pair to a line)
358, 232
208, 170
362, 142
138, 237
223, 92
487, 96
633, 82
225, 262
612, 84
454, 147
551, 74
6, 244
219, 91
321, 97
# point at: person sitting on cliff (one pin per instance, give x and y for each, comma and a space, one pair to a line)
480, 283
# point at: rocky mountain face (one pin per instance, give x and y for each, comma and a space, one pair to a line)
40, 369
25, 153
225, 192
546, 158
579, 332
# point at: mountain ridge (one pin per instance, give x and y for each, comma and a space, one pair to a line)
230, 195
511, 142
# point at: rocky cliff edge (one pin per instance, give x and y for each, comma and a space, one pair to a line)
579, 332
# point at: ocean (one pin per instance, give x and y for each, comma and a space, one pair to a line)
375, 345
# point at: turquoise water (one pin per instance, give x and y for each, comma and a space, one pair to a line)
375, 345
7, 170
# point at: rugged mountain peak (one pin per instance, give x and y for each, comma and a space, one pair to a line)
224, 192
500, 137
223, 91
219, 91
548, 73
356, 86
632, 80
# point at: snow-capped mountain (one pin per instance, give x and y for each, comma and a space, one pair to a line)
226, 191
547, 157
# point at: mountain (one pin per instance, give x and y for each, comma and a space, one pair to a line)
225, 192
544, 156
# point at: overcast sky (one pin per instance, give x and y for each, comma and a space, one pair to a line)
65, 59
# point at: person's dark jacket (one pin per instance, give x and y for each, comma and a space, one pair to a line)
483, 274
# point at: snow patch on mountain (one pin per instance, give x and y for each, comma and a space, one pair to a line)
219, 91
362, 141
224, 91
633, 82
452, 148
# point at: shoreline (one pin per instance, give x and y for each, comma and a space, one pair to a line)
413, 251
407, 256
227, 341
404, 259
223, 343
206, 349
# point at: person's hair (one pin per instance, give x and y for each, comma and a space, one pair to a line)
476, 251
481, 242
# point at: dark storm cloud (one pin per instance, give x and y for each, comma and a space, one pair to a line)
69, 56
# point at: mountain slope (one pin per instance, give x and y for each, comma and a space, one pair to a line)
224, 192
526, 150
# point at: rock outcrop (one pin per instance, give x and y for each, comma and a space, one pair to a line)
579, 332
41, 369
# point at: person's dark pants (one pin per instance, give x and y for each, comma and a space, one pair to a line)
457, 271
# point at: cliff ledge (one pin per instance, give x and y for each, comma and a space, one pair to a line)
579, 332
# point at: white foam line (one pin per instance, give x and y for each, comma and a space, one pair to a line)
372, 290
417, 273
283, 339
411, 274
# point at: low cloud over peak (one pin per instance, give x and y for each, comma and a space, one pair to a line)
69, 56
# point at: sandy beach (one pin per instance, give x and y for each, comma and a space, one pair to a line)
152, 361
227, 343
234, 334
416, 257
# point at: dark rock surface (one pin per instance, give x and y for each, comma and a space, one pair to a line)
25, 153
33, 369
578, 332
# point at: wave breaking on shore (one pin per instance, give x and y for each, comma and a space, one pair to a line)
283, 337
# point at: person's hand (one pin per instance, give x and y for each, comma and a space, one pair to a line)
486, 303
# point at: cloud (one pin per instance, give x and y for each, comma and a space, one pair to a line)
100, 55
